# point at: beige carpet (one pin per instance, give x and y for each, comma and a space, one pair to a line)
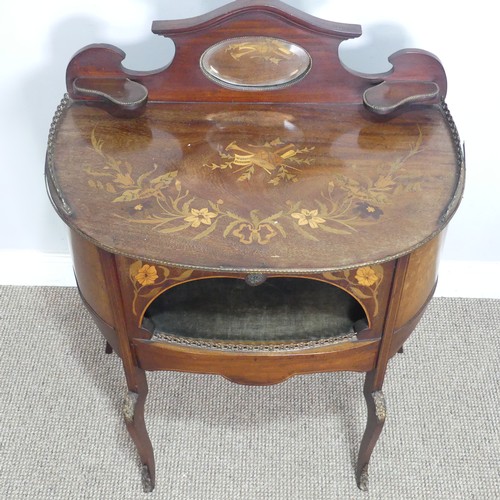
62, 436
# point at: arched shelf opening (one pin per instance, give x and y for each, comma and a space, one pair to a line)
282, 310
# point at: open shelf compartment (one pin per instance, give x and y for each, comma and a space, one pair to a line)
280, 310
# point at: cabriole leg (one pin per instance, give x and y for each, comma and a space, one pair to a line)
133, 408
375, 403
133, 413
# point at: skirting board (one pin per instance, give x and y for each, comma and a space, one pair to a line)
31, 268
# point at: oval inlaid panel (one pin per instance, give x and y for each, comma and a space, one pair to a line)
255, 63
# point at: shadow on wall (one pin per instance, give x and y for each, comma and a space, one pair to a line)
73, 33
369, 53
44, 87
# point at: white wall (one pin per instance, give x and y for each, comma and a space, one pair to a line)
38, 40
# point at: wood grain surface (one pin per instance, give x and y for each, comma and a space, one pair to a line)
256, 187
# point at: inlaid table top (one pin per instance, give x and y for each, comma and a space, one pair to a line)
256, 186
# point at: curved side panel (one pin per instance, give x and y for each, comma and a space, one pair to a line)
402, 333
90, 277
420, 281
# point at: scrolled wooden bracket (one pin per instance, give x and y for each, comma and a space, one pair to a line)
417, 77
95, 75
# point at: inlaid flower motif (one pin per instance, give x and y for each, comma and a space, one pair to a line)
344, 202
366, 276
247, 233
366, 210
146, 275
201, 216
308, 217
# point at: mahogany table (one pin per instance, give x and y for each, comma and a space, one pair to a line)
255, 209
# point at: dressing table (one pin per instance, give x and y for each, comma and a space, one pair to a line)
255, 209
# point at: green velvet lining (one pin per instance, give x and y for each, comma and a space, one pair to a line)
281, 309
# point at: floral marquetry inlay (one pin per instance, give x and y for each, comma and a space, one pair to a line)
149, 280
363, 282
341, 206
